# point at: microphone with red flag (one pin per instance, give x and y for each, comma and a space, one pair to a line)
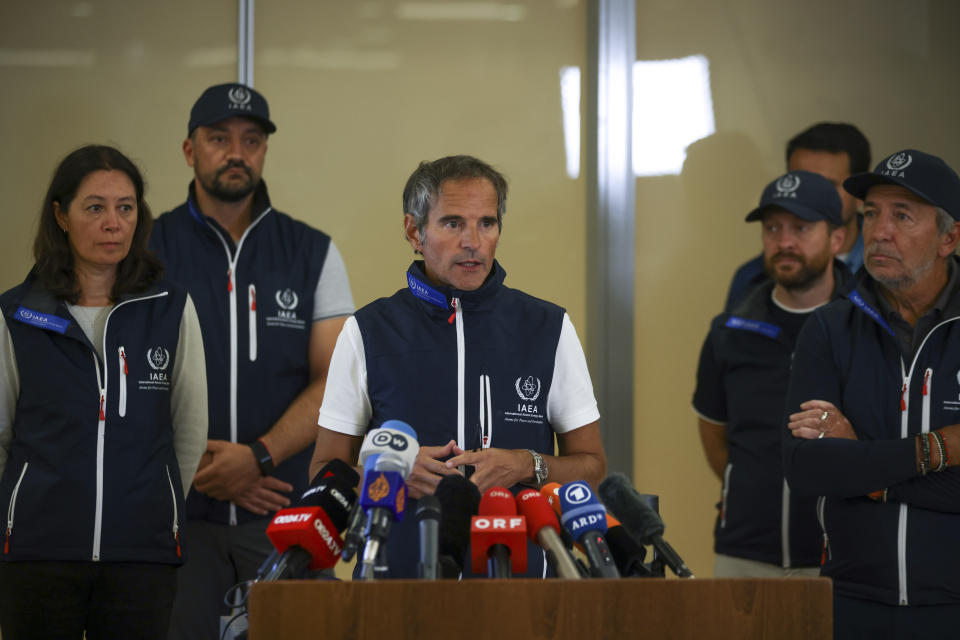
308, 534
498, 536
544, 529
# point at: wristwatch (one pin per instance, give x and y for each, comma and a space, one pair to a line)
539, 468
263, 457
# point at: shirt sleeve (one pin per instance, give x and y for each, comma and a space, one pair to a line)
332, 297
571, 403
346, 404
188, 397
710, 396
9, 391
834, 466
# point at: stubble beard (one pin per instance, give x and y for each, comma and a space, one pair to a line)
809, 274
226, 193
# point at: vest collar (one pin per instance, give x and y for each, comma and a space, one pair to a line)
420, 286
40, 308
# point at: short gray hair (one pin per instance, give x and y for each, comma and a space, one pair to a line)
945, 221
423, 185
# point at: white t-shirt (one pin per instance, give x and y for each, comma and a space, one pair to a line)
346, 404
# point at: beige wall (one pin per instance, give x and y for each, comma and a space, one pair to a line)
361, 94
890, 68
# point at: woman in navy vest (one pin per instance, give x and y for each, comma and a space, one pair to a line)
103, 415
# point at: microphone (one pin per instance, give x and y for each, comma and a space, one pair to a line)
551, 491
307, 535
498, 536
586, 520
543, 528
643, 522
388, 454
627, 553
428, 515
459, 502
353, 538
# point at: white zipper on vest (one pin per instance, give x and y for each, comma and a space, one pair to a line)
232, 303
101, 426
821, 517
902, 519
724, 493
785, 525
461, 373
176, 520
252, 320
123, 382
12, 507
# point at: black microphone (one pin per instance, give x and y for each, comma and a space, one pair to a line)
644, 523
627, 553
307, 533
428, 516
459, 502
353, 538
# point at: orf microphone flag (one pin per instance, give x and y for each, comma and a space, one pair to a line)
498, 536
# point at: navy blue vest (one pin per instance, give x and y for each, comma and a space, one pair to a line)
410, 345
53, 464
274, 281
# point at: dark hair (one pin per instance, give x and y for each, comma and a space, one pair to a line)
51, 247
424, 184
834, 137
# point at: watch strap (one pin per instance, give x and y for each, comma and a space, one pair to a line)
263, 457
539, 468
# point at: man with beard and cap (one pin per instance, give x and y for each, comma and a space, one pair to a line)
762, 530
272, 295
835, 150
873, 405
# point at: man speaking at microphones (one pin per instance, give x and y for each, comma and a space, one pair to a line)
490, 378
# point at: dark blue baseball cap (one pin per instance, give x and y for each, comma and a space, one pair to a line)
926, 176
805, 194
223, 101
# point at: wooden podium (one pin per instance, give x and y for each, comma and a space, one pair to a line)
698, 609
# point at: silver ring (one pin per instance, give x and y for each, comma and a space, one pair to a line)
823, 416
822, 433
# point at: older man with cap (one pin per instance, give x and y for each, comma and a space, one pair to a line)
762, 529
873, 404
272, 295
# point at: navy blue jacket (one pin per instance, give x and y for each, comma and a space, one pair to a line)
901, 551
92, 472
255, 305
742, 381
411, 347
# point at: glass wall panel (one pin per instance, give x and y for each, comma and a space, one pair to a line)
363, 91
775, 68
106, 72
